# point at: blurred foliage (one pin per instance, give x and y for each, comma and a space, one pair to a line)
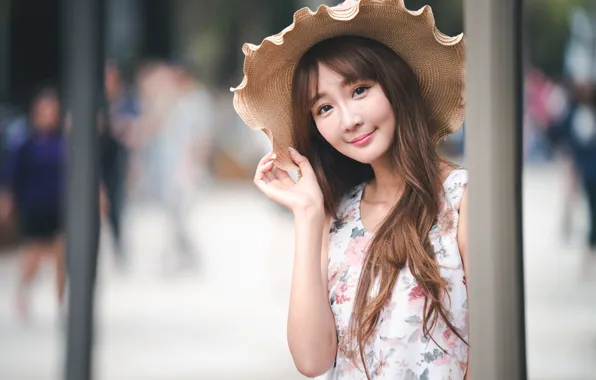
545, 27
449, 14
234, 22
231, 23
546, 31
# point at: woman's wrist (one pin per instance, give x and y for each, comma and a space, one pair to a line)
311, 214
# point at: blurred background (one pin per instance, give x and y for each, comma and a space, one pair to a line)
194, 264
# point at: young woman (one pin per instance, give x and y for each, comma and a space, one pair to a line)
32, 185
363, 93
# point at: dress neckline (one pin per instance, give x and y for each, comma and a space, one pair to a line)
360, 194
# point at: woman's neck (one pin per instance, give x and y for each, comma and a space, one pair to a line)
387, 185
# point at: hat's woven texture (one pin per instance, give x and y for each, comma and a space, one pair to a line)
263, 99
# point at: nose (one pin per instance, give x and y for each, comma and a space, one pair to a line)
351, 119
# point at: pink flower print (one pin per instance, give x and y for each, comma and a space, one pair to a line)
464, 281
343, 287
335, 275
442, 360
380, 365
357, 250
340, 296
442, 203
352, 214
450, 338
447, 334
348, 349
447, 222
416, 293
340, 299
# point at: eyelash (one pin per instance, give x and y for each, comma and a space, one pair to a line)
357, 88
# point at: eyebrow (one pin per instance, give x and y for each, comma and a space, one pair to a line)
318, 96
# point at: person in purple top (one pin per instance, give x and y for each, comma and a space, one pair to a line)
32, 186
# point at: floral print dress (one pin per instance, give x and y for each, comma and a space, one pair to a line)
398, 349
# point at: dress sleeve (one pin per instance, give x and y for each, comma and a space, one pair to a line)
455, 186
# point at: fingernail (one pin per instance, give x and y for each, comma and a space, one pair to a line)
292, 149
274, 156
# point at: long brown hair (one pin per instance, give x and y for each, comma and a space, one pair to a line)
403, 237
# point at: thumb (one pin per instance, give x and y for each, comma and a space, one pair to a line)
302, 162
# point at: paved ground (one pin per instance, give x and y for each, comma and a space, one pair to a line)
561, 305
228, 320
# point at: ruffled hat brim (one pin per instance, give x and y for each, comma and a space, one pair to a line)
263, 98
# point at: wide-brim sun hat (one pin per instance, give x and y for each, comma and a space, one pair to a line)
263, 100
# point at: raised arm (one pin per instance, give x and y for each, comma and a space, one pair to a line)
312, 337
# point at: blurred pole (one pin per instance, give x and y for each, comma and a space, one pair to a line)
4, 48
493, 155
84, 86
591, 10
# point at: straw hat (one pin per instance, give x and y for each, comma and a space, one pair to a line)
263, 99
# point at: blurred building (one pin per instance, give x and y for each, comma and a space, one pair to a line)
31, 43
205, 36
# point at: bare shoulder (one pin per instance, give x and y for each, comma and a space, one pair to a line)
445, 168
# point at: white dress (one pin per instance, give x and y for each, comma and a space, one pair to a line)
398, 349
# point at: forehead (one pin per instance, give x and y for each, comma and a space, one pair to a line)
326, 79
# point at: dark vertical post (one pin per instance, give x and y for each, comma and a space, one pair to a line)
84, 86
4, 48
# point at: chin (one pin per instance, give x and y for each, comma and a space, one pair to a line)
366, 157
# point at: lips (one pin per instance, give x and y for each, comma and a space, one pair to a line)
361, 137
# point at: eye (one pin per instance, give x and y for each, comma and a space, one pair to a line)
360, 90
323, 109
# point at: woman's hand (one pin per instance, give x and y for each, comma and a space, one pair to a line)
303, 196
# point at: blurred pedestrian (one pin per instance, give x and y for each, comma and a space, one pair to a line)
380, 259
32, 186
177, 140
115, 142
577, 132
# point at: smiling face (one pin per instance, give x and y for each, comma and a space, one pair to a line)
357, 105
353, 116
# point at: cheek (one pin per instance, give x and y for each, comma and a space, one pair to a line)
387, 118
386, 109
329, 132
